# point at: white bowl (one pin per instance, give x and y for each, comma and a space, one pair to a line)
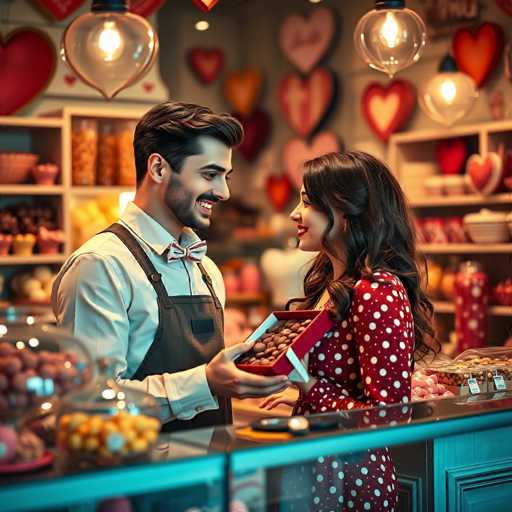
487, 227
454, 184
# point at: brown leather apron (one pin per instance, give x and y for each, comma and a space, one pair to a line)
190, 333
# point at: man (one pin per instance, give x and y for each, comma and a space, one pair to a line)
143, 293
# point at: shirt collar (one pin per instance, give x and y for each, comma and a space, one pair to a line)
151, 232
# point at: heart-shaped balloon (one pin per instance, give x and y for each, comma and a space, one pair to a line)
27, 64
305, 102
58, 9
242, 89
297, 151
304, 41
451, 155
110, 71
257, 129
205, 5
505, 5
485, 173
206, 63
387, 108
279, 189
478, 52
145, 8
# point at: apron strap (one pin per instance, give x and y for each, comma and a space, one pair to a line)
143, 260
208, 281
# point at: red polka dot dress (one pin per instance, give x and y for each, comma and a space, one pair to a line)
365, 361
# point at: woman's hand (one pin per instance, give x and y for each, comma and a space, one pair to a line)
271, 402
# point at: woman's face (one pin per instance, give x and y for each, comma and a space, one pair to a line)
311, 225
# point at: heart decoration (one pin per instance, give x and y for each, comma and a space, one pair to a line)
305, 41
478, 53
485, 173
279, 190
205, 5
242, 90
257, 129
305, 102
58, 9
297, 151
505, 5
387, 108
205, 63
451, 155
69, 79
506, 158
145, 8
27, 64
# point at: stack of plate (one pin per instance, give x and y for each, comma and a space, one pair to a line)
413, 177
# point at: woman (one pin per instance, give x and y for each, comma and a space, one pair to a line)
366, 274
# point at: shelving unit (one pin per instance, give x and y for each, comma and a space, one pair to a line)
420, 146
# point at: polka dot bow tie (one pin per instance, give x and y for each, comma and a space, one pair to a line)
195, 251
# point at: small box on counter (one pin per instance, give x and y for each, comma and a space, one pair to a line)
282, 340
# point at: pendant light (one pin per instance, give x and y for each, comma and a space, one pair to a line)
449, 95
110, 48
390, 37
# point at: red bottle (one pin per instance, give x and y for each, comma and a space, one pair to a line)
471, 300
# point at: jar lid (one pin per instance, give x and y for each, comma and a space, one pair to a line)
484, 216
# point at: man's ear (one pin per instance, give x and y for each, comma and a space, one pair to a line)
157, 169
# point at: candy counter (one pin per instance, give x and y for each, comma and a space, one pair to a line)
449, 454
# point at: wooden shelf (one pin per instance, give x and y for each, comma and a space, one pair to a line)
245, 298
35, 259
445, 307
97, 190
465, 248
32, 190
31, 122
461, 200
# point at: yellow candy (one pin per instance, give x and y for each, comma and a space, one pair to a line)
130, 434
64, 421
76, 420
154, 424
139, 445
140, 423
75, 441
151, 436
84, 429
91, 444
95, 425
109, 427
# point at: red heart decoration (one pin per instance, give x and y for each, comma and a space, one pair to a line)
145, 8
279, 189
505, 5
257, 128
305, 41
242, 89
58, 9
485, 174
27, 64
477, 54
206, 63
451, 155
205, 5
297, 151
387, 108
304, 102
69, 79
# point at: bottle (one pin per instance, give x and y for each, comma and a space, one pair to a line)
471, 300
107, 154
84, 148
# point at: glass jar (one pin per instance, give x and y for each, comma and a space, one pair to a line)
471, 301
126, 159
84, 147
106, 424
107, 154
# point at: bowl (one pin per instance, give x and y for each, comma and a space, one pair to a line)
487, 227
454, 184
16, 167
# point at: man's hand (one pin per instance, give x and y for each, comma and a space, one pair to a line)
225, 379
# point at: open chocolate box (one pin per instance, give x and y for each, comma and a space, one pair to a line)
282, 340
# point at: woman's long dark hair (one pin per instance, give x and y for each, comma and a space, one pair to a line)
379, 235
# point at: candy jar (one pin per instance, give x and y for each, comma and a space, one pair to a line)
126, 158
106, 423
471, 300
107, 154
38, 365
84, 148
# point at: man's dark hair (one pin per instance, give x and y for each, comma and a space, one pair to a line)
172, 128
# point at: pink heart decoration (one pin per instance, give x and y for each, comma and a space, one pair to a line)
305, 41
206, 63
297, 151
304, 102
485, 173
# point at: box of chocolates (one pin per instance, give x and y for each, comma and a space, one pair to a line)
282, 340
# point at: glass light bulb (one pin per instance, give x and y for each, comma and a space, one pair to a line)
110, 50
389, 40
109, 40
448, 96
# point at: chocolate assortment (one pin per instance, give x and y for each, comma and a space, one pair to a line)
274, 342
